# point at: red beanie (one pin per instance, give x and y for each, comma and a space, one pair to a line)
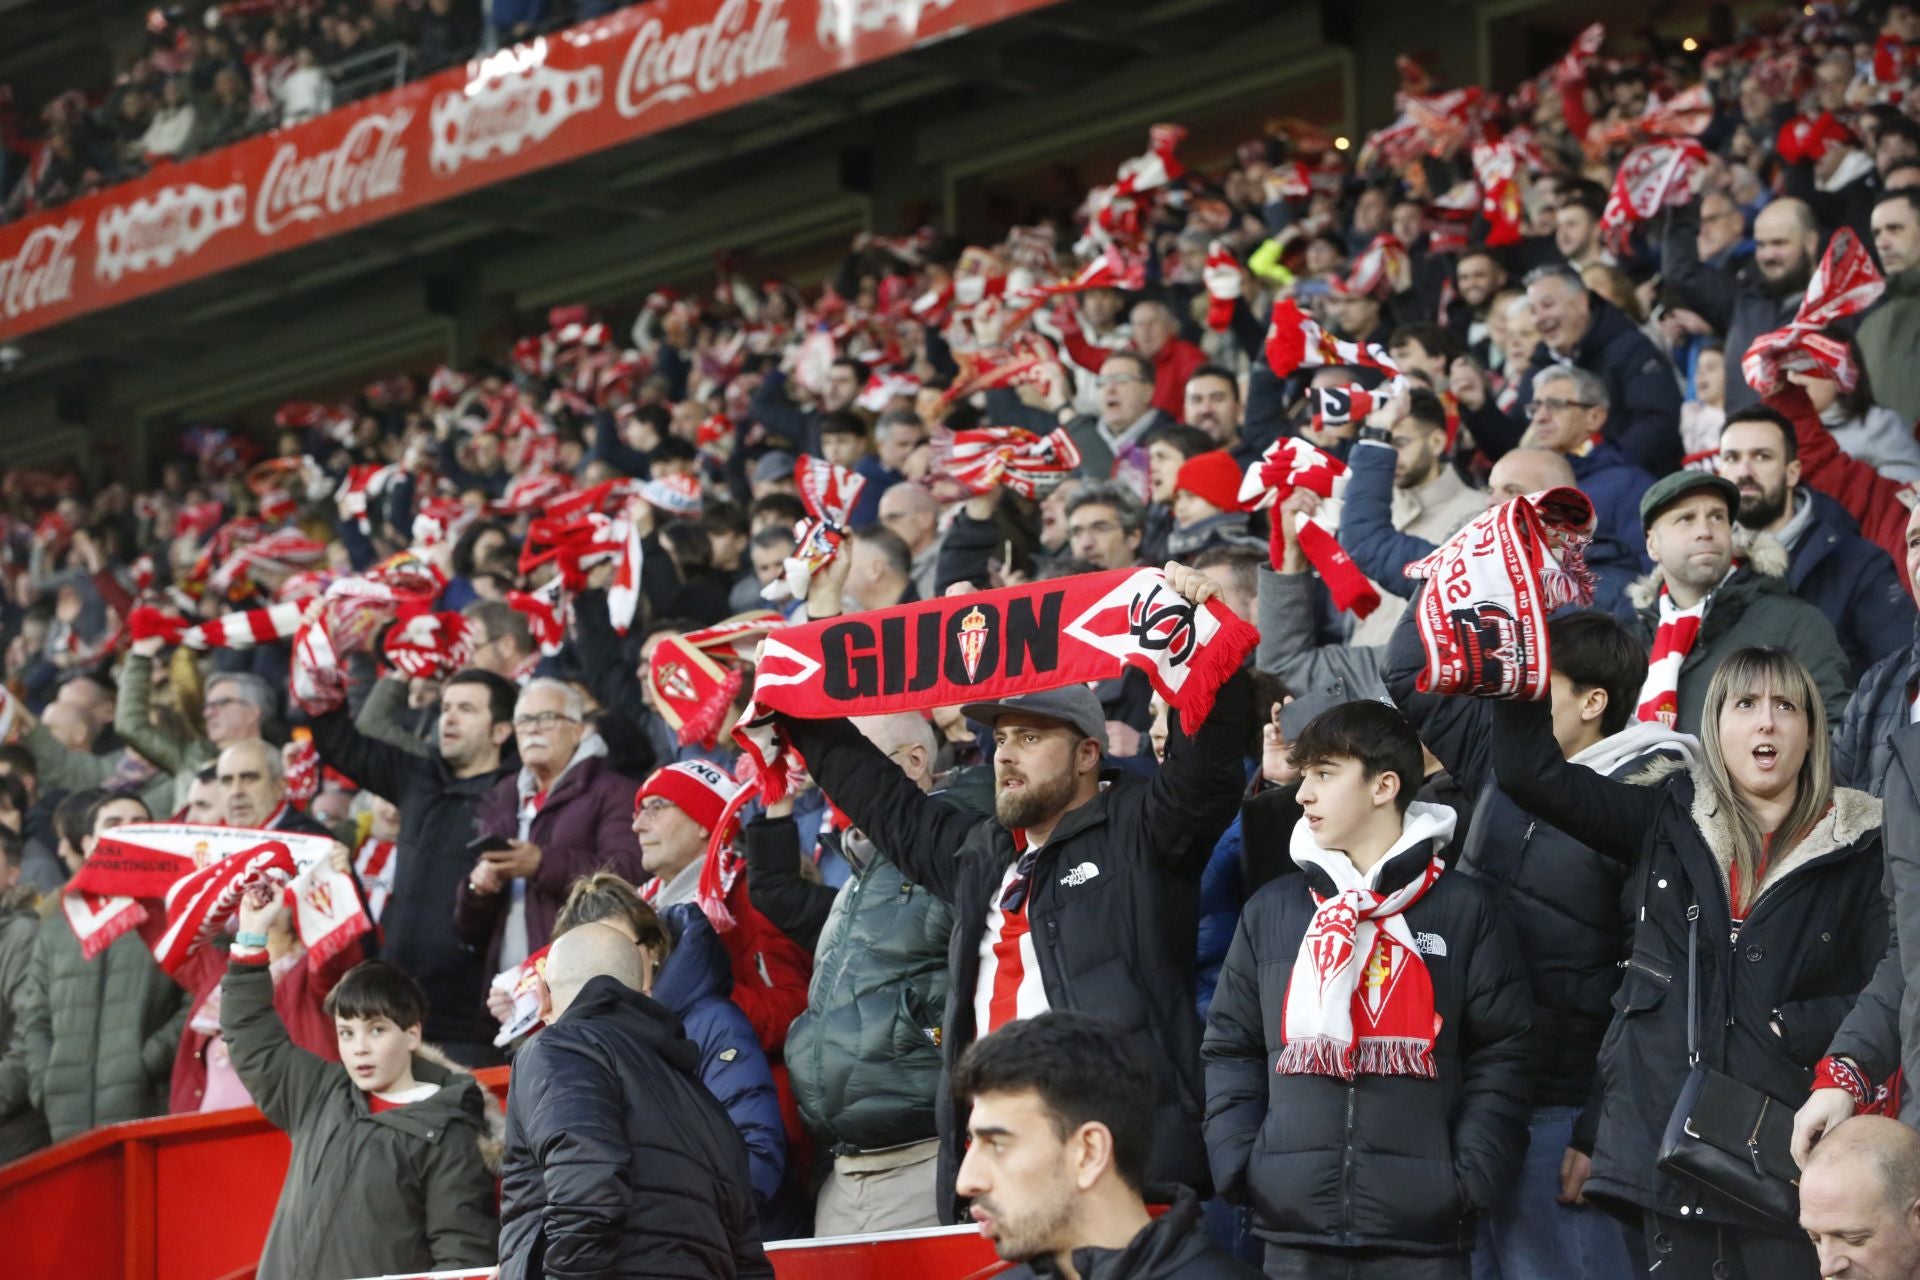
699, 787
1214, 477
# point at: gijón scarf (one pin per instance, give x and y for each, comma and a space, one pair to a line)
1483, 617
198, 876
992, 644
1360, 1000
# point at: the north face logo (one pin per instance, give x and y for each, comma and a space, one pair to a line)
1430, 944
1079, 875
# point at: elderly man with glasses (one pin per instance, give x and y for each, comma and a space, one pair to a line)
564, 814
1569, 416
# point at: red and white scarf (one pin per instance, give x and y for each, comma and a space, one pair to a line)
1483, 616
1360, 1000
373, 864
522, 985
430, 645
1296, 341
1679, 630
828, 492
1845, 284
987, 645
1651, 178
1009, 457
196, 877
1291, 463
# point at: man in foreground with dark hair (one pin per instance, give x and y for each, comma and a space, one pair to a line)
1366, 1053
1565, 904
1061, 1125
438, 795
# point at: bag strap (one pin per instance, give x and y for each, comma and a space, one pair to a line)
1693, 983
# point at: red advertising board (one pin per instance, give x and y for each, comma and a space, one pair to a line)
639, 71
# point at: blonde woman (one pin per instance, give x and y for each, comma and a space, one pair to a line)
1784, 870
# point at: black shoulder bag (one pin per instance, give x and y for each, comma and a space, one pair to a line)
1725, 1135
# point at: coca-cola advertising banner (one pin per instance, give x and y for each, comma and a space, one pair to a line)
640, 71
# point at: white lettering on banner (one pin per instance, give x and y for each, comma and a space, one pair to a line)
510, 99
41, 273
841, 21
368, 165
663, 66
174, 222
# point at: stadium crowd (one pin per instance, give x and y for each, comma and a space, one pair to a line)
1362, 975
202, 78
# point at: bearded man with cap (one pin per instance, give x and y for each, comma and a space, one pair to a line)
1702, 601
1081, 892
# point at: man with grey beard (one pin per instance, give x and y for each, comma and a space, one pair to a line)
1081, 892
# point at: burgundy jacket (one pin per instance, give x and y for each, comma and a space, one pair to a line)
586, 825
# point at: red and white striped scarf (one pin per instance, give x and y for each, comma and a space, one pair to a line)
1844, 284
1360, 999
1679, 630
1291, 463
373, 864
828, 492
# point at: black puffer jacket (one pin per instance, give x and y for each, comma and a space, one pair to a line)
1379, 1162
1565, 902
1811, 939
437, 820
619, 1162
1114, 907
1174, 1246
864, 1059
1881, 706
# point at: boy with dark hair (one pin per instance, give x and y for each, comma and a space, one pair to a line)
1565, 903
393, 1146
1061, 1126
1366, 1050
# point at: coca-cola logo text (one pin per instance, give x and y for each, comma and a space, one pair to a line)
663, 66
368, 165
41, 273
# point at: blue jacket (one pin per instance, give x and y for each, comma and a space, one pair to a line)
1613, 482
695, 983
1852, 581
1222, 893
1382, 552
1642, 389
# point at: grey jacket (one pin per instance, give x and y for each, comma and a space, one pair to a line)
101, 1034
1290, 650
23, 1127
1880, 707
1883, 1030
178, 759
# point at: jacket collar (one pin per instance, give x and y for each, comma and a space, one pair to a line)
1851, 816
1160, 1247
1756, 555
604, 998
590, 747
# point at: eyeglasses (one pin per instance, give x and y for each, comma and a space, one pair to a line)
653, 807
1552, 404
543, 720
1117, 379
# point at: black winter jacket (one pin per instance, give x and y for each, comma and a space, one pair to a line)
431, 862
1401, 1163
619, 1162
1881, 706
1114, 907
1174, 1246
1565, 901
1810, 941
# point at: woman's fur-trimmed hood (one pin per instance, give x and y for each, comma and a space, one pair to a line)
493, 1133
1760, 552
1851, 815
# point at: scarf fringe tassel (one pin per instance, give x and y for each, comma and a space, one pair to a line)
1374, 1057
